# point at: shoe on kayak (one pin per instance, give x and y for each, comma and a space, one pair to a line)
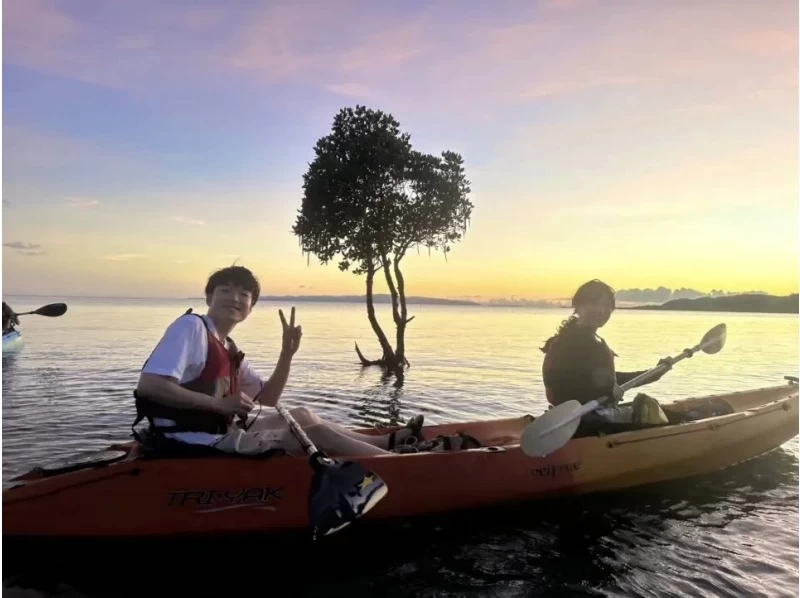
415, 425
459, 441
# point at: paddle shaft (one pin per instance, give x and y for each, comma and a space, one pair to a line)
307, 445
640, 379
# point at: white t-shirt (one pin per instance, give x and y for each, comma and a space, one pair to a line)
181, 354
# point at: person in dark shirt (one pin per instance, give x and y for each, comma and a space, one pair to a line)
10, 318
578, 364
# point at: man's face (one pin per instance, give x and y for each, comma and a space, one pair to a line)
231, 303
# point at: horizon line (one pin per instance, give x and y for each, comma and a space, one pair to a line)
298, 296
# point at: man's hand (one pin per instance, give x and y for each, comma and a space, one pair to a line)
236, 404
291, 334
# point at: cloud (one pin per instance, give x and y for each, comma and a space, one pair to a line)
185, 220
279, 42
388, 49
27, 249
557, 88
22, 246
481, 64
78, 202
770, 42
123, 257
563, 4
353, 90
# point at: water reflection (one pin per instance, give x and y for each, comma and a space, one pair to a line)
10, 365
628, 543
380, 405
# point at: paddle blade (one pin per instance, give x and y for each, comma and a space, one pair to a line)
341, 493
52, 311
714, 339
551, 430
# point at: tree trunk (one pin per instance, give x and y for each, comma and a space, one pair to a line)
398, 311
403, 318
388, 359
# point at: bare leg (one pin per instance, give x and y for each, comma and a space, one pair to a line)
331, 442
305, 418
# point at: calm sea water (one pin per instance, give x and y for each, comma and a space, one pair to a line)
731, 533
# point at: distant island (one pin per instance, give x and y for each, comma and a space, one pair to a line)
748, 302
377, 298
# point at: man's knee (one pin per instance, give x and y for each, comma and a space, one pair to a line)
324, 437
304, 416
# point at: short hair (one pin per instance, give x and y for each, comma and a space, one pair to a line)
237, 276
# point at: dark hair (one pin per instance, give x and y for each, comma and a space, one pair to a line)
237, 276
588, 292
591, 291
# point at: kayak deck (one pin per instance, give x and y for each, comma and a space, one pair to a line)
128, 492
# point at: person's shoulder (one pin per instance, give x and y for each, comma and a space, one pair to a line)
574, 338
186, 324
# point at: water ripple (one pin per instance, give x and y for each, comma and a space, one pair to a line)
730, 533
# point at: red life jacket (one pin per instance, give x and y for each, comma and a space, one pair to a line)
220, 377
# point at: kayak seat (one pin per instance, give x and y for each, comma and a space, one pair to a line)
157, 446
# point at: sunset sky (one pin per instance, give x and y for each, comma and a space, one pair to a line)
646, 143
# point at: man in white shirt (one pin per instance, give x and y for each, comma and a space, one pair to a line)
196, 382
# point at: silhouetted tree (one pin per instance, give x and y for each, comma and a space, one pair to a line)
369, 197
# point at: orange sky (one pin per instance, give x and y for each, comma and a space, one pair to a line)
645, 144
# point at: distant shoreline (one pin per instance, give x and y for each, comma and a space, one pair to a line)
747, 303
744, 303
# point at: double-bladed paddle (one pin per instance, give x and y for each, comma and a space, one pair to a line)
554, 428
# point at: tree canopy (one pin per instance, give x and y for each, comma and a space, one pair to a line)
369, 197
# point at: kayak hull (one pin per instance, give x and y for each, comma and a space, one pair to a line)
12, 341
140, 495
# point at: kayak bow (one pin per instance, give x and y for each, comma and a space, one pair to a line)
12, 340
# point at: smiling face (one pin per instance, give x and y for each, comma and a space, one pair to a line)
597, 312
594, 302
229, 303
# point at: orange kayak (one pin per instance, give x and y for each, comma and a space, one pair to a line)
126, 491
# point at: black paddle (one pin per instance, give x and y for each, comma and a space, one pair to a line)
53, 310
554, 428
341, 492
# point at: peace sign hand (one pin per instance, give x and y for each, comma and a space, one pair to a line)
291, 334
